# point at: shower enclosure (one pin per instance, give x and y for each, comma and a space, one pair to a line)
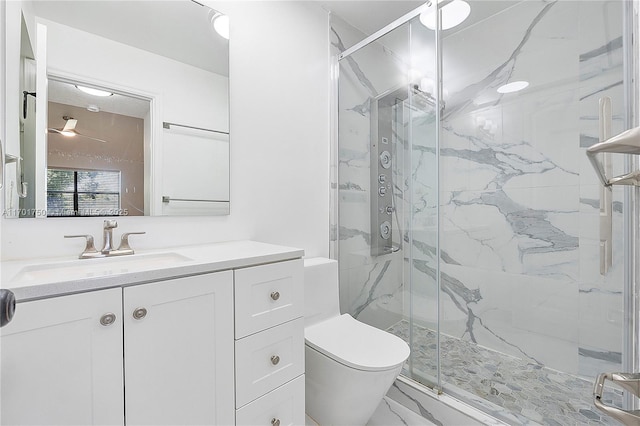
467, 218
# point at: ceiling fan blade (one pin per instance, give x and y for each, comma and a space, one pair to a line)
70, 125
52, 130
89, 137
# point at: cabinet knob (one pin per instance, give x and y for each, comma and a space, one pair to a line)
108, 319
139, 313
275, 295
275, 422
275, 359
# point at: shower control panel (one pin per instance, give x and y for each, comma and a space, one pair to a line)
382, 149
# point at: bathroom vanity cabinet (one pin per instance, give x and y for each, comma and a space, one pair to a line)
218, 347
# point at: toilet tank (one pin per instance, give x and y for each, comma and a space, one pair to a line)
321, 291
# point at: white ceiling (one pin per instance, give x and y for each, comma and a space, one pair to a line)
174, 29
371, 15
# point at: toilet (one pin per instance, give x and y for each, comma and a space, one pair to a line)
349, 365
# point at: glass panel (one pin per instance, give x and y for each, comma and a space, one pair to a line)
372, 181
60, 180
527, 320
98, 181
387, 188
60, 204
98, 204
421, 252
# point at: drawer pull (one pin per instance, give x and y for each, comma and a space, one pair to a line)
275, 422
275, 359
139, 313
107, 319
275, 295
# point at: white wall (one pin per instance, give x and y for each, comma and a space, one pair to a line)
279, 146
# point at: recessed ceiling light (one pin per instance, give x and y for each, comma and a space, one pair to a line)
514, 86
453, 14
93, 108
94, 92
220, 23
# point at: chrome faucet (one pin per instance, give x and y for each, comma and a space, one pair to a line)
107, 235
108, 249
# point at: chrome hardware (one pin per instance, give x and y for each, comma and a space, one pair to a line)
382, 179
275, 295
125, 248
385, 230
389, 209
107, 234
89, 250
631, 383
275, 422
108, 319
275, 359
382, 191
385, 159
139, 313
107, 249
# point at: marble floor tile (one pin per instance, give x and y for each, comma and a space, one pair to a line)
389, 413
522, 387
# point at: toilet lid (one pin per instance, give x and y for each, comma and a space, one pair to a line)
356, 344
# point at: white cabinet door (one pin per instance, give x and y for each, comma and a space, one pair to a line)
60, 365
179, 351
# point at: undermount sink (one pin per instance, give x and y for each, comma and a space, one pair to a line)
88, 268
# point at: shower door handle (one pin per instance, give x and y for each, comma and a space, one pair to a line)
606, 195
631, 383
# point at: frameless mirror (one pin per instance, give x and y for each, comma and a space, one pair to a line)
124, 110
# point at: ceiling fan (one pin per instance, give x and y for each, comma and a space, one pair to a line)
69, 129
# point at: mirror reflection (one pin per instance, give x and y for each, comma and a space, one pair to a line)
134, 109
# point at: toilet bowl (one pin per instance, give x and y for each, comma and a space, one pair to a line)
349, 365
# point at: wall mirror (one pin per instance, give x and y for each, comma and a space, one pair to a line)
124, 109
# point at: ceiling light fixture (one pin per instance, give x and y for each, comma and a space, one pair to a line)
514, 86
220, 23
453, 14
94, 92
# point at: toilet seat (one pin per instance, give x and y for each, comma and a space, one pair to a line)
356, 345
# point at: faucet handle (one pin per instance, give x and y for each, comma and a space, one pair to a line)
124, 241
89, 250
110, 224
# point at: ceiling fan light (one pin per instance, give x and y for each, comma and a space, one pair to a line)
68, 133
94, 92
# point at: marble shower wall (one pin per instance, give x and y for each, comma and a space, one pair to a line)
519, 201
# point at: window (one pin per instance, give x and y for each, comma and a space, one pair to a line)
83, 193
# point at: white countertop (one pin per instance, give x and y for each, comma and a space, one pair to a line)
50, 277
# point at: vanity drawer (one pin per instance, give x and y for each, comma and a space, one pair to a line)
284, 404
268, 295
268, 359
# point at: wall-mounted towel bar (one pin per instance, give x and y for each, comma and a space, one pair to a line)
167, 199
167, 125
